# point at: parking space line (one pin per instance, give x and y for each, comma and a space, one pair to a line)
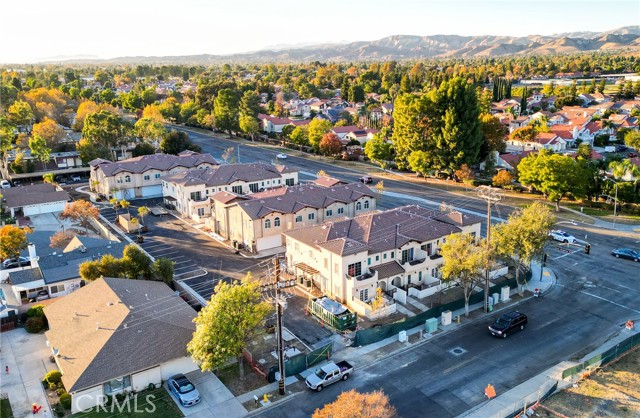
164, 254
158, 245
186, 267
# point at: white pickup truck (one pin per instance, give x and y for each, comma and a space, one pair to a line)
328, 374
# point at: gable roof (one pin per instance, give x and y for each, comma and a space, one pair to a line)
326, 181
25, 276
34, 194
65, 266
227, 174
379, 231
115, 327
160, 162
292, 199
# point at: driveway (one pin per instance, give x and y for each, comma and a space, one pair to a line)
217, 400
27, 356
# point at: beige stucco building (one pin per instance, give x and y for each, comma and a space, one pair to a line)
140, 177
395, 250
190, 191
257, 221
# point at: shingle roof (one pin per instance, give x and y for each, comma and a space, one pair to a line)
161, 162
21, 196
227, 174
115, 327
25, 276
59, 267
388, 269
379, 231
327, 181
305, 195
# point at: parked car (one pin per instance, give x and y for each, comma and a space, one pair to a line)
37, 297
76, 178
628, 253
4, 184
632, 155
562, 236
281, 156
366, 179
508, 323
11, 263
329, 374
621, 148
184, 390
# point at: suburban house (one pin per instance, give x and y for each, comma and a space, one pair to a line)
60, 163
395, 250
56, 275
189, 191
510, 160
361, 135
544, 140
273, 124
506, 105
140, 177
117, 335
256, 222
342, 131
35, 199
518, 122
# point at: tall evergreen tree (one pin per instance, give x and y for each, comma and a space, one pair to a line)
408, 129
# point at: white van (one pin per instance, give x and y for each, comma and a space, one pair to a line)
4, 184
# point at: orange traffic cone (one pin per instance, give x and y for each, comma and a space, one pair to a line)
490, 392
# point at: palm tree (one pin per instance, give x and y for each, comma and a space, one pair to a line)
621, 169
142, 212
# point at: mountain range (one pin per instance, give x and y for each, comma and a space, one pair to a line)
409, 47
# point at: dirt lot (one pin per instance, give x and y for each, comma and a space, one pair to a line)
611, 392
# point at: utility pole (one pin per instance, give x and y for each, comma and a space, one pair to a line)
238, 153
490, 195
281, 383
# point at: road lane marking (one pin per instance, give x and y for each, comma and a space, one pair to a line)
601, 298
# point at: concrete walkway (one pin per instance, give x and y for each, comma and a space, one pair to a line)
597, 222
27, 356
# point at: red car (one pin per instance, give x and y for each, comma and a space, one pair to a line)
632, 155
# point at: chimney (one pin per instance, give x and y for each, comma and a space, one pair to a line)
32, 255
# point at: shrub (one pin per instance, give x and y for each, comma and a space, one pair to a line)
54, 377
65, 401
59, 410
61, 391
34, 325
36, 311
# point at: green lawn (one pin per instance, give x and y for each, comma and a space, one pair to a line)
160, 406
5, 409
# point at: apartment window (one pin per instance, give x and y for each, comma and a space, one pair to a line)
377, 258
335, 268
278, 181
366, 204
409, 280
329, 212
407, 255
195, 196
117, 385
340, 211
147, 177
56, 288
419, 276
290, 182
364, 295
276, 222
254, 187
200, 211
298, 218
119, 180
267, 223
384, 256
369, 261
359, 206
236, 189
426, 248
311, 216
157, 176
127, 179
262, 184
393, 255
354, 269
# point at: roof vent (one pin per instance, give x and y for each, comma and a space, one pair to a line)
83, 249
124, 326
177, 293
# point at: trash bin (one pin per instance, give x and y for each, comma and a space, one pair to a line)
301, 279
307, 283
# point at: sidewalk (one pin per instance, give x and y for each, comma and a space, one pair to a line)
597, 222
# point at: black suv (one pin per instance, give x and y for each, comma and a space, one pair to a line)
508, 323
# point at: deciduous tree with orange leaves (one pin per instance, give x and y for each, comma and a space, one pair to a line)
80, 211
353, 404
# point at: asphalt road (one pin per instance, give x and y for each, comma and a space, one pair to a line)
594, 296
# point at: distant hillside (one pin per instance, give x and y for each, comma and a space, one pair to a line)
406, 47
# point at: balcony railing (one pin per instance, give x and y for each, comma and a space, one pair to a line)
416, 261
365, 276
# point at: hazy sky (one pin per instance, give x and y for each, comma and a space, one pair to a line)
41, 29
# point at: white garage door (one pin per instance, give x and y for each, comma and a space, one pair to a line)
149, 191
266, 243
43, 208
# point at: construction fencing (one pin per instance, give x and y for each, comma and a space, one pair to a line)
603, 358
302, 362
379, 333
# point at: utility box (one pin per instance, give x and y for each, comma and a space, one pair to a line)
504, 293
402, 336
431, 325
496, 297
446, 318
